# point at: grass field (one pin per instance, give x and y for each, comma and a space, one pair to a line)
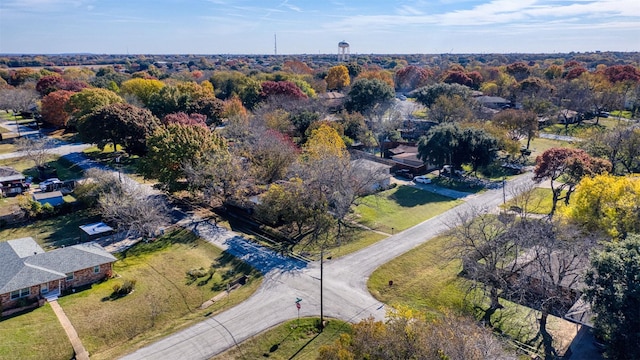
426, 279
53, 232
538, 202
35, 335
400, 208
290, 340
165, 299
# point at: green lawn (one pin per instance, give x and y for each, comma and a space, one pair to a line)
538, 202
65, 169
35, 335
426, 278
400, 208
164, 300
539, 145
290, 340
53, 232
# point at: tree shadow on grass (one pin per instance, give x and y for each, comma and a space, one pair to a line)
180, 236
409, 196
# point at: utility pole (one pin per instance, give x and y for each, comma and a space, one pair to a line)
321, 300
275, 45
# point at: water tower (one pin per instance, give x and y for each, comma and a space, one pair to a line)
343, 51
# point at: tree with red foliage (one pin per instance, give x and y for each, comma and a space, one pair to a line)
412, 77
281, 88
457, 77
518, 70
476, 79
48, 84
619, 73
185, 119
53, 110
568, 166
575, 73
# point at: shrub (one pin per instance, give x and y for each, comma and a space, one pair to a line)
123, 290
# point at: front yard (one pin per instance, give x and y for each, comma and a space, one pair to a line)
165, 299
400, 208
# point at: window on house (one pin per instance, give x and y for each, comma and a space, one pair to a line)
96, 269
70, 277
20, 293
44, 288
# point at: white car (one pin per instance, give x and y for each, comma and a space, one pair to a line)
45, 184
422, 179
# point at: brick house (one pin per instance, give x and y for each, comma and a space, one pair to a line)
29, 274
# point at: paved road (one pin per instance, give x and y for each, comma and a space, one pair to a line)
345, 292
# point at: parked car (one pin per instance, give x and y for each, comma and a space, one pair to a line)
405, 173
422, 179
50, 184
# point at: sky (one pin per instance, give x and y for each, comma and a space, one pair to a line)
316, 26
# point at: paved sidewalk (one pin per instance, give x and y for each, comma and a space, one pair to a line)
78, 348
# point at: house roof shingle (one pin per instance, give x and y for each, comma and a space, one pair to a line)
24, 263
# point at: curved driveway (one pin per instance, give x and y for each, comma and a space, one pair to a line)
345, 290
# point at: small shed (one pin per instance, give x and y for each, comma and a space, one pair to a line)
53, 198
93, 231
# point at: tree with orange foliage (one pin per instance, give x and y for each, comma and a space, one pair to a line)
52, 108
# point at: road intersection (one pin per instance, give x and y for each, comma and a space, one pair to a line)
345, 293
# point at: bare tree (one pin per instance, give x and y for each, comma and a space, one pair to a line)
487, 254
36, 149
553, 279
134, 208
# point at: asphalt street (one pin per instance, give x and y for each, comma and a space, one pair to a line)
345, 292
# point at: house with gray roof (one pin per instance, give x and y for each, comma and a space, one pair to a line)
29, 274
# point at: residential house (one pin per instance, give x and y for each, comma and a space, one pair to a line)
29, 274
375, 175
11, 181
405, 156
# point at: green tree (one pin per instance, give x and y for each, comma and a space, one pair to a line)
613, 288
366, 95
450, 109
118, 124
89, 100
171, 147
427, 95
449, 144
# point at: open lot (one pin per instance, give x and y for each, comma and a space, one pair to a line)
400, 208
426, 279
